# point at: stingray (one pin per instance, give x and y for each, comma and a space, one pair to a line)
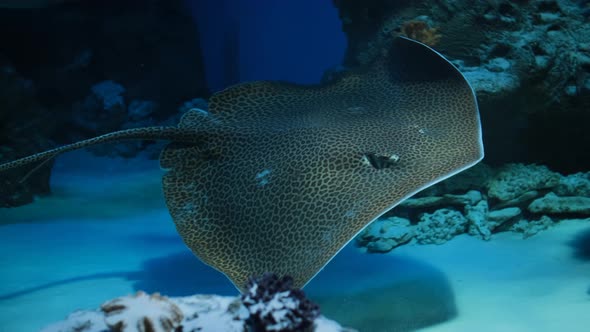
279, 177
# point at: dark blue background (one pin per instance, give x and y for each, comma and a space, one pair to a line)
247, 40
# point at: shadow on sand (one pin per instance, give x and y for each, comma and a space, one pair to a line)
383, 292
580, 245
179, 274
367, 292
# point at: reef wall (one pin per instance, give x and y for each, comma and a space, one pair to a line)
529, 62
481, 202
82, 68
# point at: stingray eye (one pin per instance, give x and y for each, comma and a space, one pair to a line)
380, 161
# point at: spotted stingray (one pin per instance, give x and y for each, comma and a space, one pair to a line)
279, 177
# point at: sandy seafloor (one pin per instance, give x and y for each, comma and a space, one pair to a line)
105, 232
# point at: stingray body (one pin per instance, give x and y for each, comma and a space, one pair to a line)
279, 177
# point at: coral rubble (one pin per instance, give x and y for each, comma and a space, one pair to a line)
385, 234
519, 198
528, 61
440, 226
271, 304
76, 69
142, 312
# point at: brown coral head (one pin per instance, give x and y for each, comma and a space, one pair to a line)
420, 31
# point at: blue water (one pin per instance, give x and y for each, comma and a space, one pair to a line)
244, 40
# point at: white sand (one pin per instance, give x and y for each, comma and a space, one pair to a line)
511, 284
69, 252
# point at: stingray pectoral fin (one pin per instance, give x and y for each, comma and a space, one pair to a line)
147, 133
305, 168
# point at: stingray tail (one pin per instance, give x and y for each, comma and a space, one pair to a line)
147, 133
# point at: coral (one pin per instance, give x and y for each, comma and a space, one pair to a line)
202, 313
521, 200
474, 178
477, 217
528, 61
514, 192
490, 82
440, 226
110, 94
103, 110
43, 89
513, 180
272, 304
199, 103
140, 110
574, 185
80, 321
142, 312
497, 218
420, 31
530, 228
553, 204
383, 235
469, 198
210, 313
